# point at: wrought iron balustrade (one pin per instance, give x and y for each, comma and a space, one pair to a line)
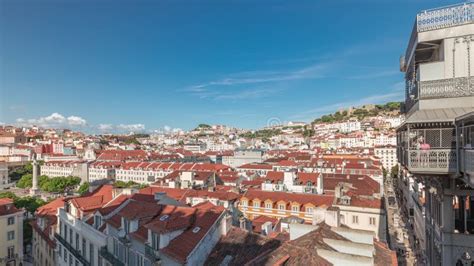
105, 254
429, 150
445, 17
151, 253
77, 254
446, 88
437, 160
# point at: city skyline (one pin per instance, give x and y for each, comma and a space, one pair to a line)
96, 67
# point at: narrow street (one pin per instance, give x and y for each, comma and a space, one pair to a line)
398, 228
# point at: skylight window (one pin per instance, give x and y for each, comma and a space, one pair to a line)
196, 229
164, 217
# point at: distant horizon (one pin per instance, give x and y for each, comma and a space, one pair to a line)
122, 130
98, 66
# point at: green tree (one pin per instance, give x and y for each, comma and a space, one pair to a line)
60, 184
84, 188
19, 172
394, 171
204, 126
122, 184
26, 181
7, 194
31, 204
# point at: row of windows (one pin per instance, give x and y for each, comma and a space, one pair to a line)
133, 258
80, 246
355, 219
281, 207
127, 172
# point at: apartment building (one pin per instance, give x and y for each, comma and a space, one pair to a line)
434, 142
11, 233
354, 211
102, 170
44, 227
241, 157
297, 182
254, 169
146, 227
150, 172
78, 242
387, 155
62, 168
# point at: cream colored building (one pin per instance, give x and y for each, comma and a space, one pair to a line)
44, 226
11, 233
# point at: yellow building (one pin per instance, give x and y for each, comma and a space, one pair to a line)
11, 233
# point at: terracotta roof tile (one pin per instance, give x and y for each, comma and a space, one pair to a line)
180, 247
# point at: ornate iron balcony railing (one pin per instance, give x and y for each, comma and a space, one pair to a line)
428, 150
439, 160
446, 88
77, 254
445, 17
151, 253
106, 255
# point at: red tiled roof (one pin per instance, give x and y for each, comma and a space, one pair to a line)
287, 163
302, 199
256, 166
361, 184
50, 209
206, 215
177, 218
148, 193
228, 196
7, 207
260, 220
252, 183
112, 205
121, 155
140, 209
94, 200
372, 203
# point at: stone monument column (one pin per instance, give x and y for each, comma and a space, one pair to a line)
34, 187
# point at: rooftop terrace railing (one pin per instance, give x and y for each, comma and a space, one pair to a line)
446, 88
445, 17
428, 150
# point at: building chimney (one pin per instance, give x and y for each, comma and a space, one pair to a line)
332, 217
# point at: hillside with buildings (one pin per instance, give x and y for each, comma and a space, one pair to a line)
360, 113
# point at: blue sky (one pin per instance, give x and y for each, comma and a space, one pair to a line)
120, 65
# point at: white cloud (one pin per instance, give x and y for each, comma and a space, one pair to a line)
121, 128
76, 121
105, 127
167, 128
131, 127
252, 77
54, 120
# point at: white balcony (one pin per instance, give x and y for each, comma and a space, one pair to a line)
445, 17
432, 161
446, 88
